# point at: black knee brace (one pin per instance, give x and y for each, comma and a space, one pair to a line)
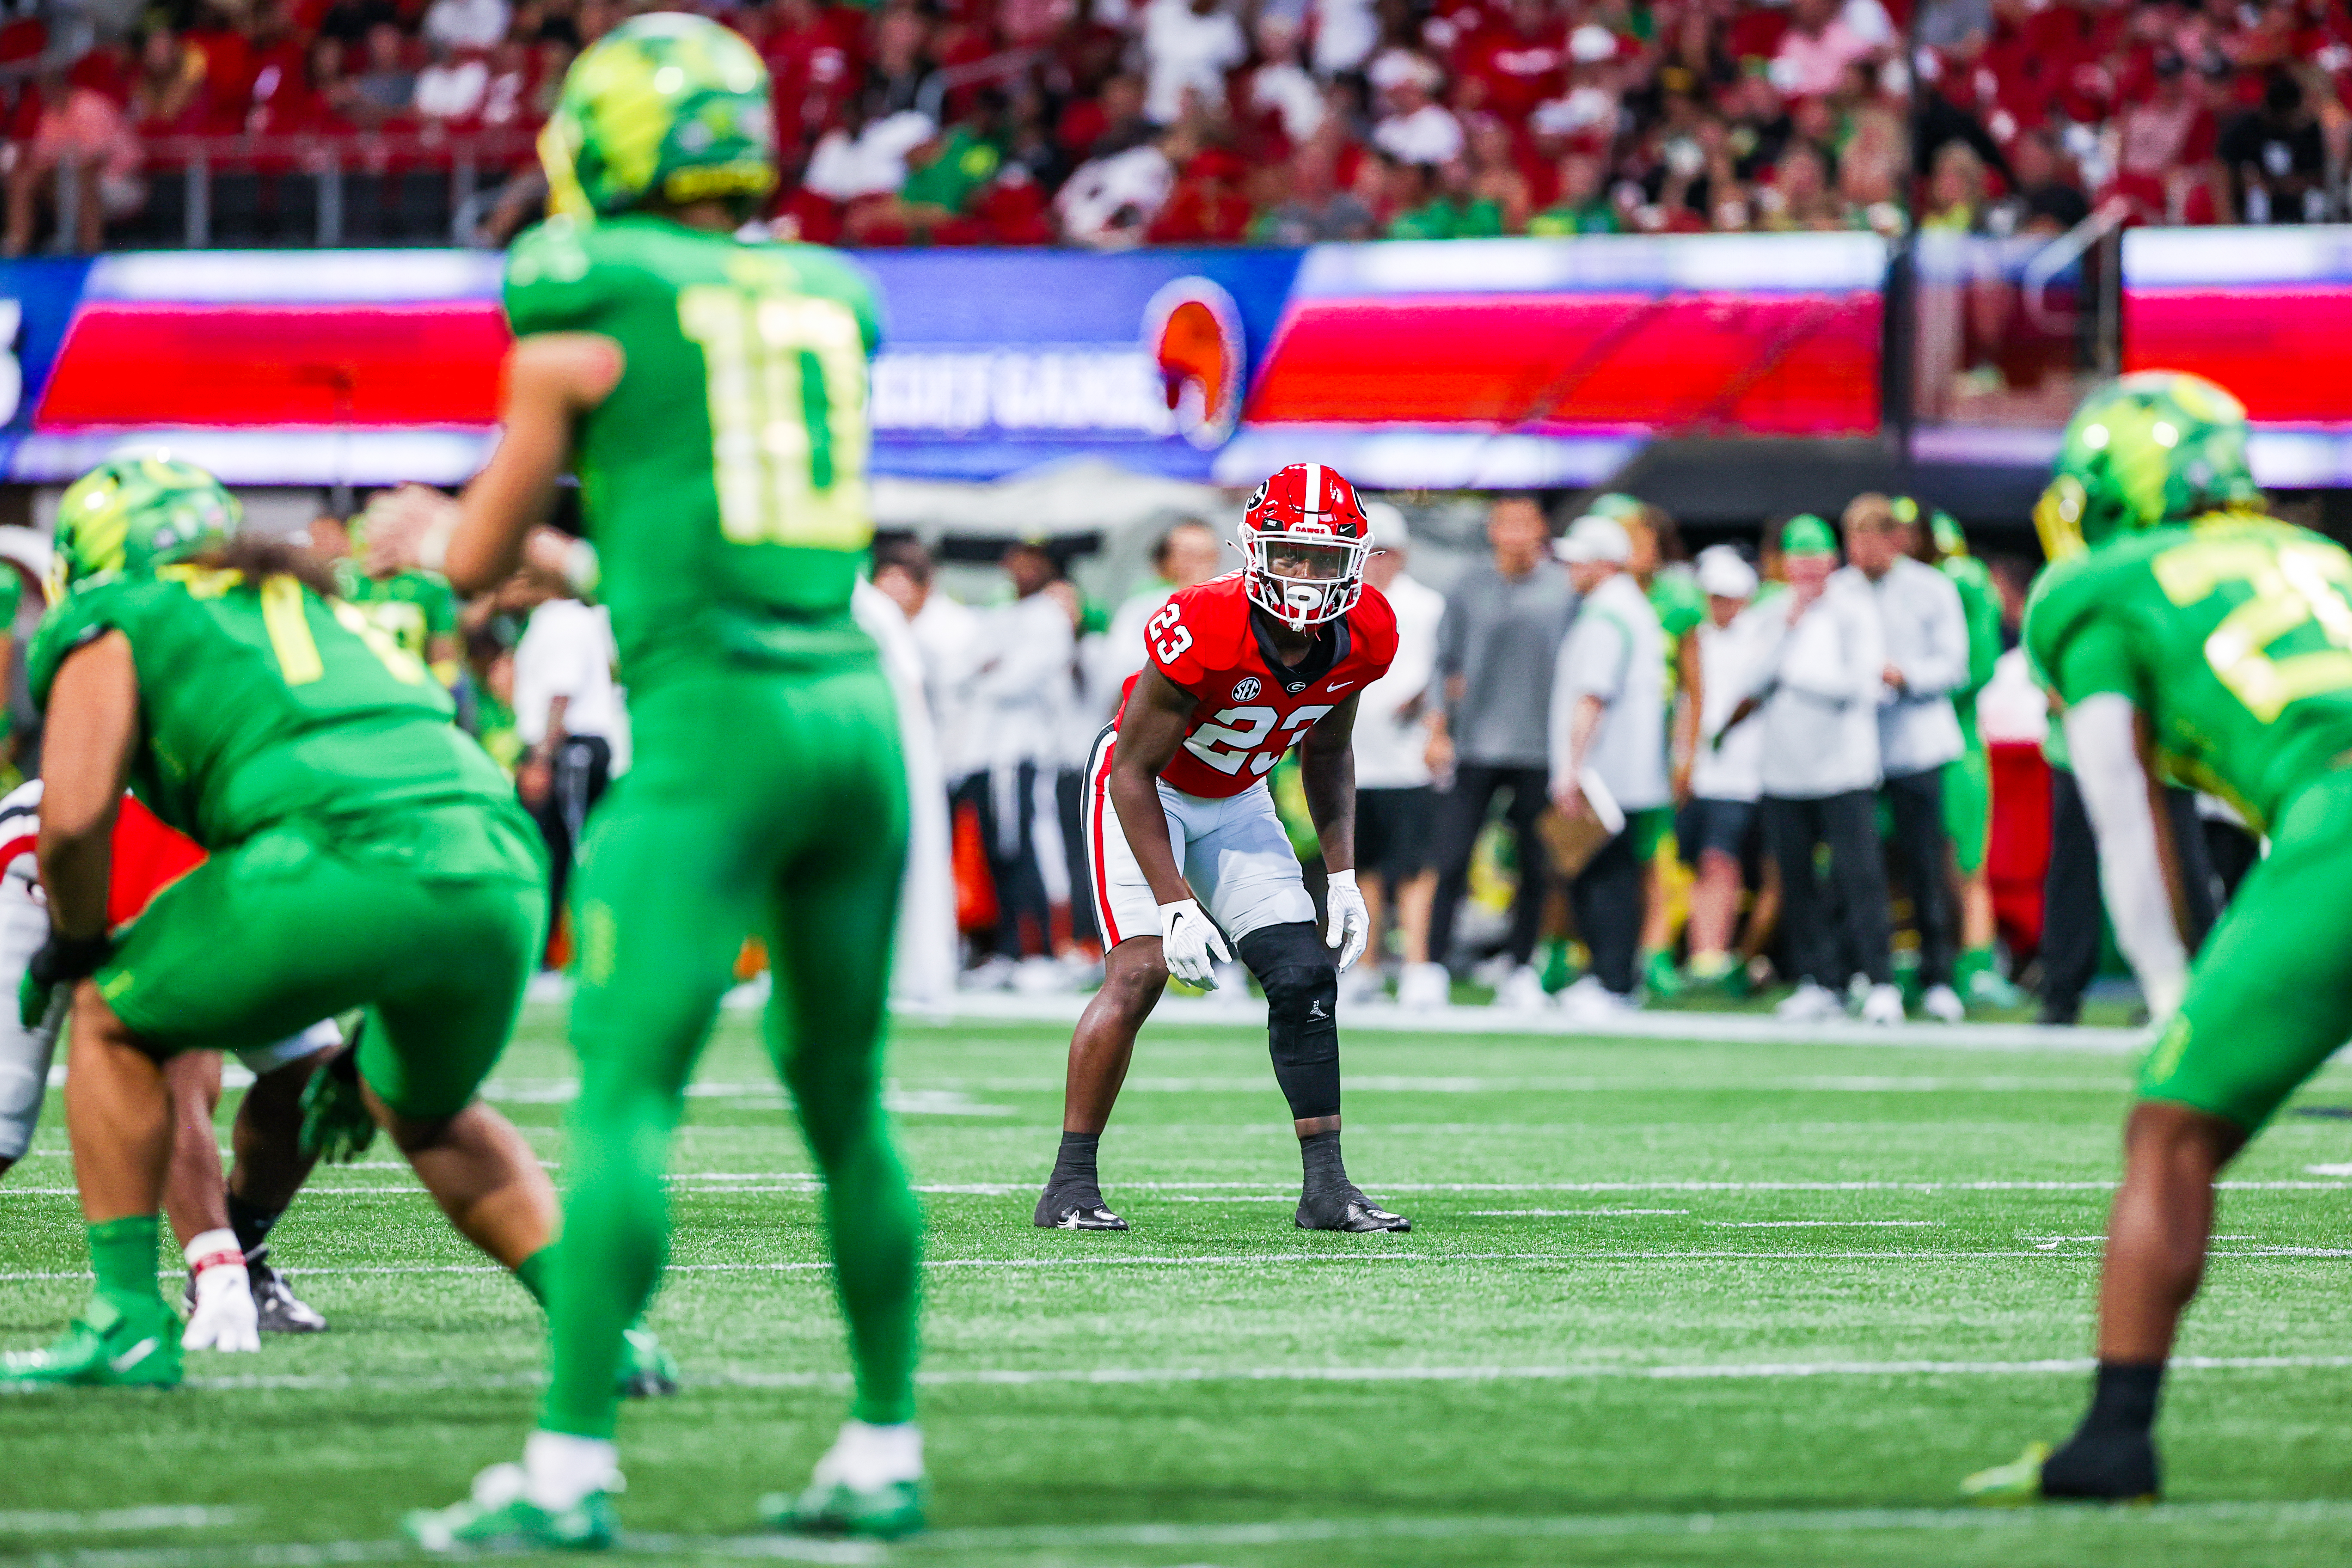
1302, 996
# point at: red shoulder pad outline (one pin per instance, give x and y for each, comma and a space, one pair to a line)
1373, 626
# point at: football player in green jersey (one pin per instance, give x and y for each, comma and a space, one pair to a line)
1968, 778
2189, 636
363, 853
711, 394
418, 610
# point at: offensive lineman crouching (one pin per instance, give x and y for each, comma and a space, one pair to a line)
1178, 816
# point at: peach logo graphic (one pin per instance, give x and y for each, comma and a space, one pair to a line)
1194, 330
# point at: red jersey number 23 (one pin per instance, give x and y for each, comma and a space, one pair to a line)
1239, 733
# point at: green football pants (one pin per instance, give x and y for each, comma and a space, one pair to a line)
2270, 998
431, 917
757, 804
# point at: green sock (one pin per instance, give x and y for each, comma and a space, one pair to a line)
531, 1273
1972, 962
122, 1255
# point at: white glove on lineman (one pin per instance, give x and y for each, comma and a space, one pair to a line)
224, 1318
1188, 940
1347, 924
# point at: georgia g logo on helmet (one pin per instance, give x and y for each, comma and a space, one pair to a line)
1303, 541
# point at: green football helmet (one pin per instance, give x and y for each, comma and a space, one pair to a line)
134, 514
665, 105
2152, 448
1943, 528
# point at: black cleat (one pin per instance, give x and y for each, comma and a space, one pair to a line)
1075, 1207
2114, 1467
1345, 1207
280, 1309
276, 1308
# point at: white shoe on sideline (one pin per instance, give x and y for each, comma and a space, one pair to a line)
1522, 991
1424, 986
1361, 984
990, 974
1232, 981
1810, 1003
1040, 976
1590, 1001
1944, 1005
1883, 1006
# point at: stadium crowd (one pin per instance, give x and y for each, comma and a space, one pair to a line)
1117, 122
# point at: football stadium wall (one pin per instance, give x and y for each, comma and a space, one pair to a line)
1509, 363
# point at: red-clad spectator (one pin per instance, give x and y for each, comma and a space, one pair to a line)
167, 99
1090, 127
85, 130
811, 62
1208, 206
280, 56
1520, 62
2168, 130
1495, 175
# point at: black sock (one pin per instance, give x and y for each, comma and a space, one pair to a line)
1074, 1165
2123, 1399
1319, 1154
250, 1222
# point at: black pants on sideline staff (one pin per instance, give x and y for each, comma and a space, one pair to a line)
1461, 813
2070, 900
1007, 805
1607, 898
1069, 807
1848, 824
1924, 851
578, 774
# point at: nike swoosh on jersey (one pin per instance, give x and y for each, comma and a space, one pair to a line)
1339, 686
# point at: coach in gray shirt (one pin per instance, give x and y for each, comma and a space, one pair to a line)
1496, 648
1926, 645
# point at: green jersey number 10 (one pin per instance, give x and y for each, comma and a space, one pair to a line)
787, 415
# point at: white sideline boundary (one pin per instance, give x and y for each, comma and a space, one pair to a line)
960, 1544
1386, 1018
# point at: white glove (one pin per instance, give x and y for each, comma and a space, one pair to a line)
224, 1318
1347, 924
1188, 940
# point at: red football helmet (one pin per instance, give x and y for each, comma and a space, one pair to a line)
1304, 540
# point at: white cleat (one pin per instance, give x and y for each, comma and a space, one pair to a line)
1808, 1004
1882, 1005
1424, 986
1590, 1001
1944, 1005
1522, 991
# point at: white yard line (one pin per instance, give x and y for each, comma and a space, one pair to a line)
119, 1520
1026, 1377
1734, 1029
964, 1544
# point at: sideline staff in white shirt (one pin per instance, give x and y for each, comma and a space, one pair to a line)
1608, 723
1396, 793
1727, 772
1927, 634
569, 714
1819, 693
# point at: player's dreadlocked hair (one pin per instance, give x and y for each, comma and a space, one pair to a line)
257, 557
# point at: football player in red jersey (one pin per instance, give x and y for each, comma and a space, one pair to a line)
1183, 843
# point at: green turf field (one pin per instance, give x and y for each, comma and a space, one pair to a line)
1665, 1303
